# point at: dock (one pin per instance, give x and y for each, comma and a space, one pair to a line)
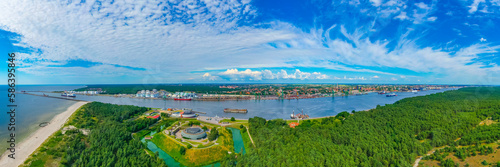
229, 110
55, 97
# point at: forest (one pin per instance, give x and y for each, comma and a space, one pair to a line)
390, 135
109, 143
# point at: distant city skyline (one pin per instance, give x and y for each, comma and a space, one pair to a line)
148, 42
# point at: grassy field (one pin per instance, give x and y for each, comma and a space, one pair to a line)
196, 156
477, 160
229, 120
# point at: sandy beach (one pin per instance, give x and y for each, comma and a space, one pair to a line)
30, 144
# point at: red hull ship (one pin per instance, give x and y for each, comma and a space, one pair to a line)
182, 99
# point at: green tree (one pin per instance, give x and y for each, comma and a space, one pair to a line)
182, 150
233, 119
484, 162
213, 134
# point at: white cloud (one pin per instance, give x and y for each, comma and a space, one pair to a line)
431, 19
422, 5
234, 74
202, 36
482, 40
402, 76
376, 2
394, 79
208, 76
375, 76
248, 74
473, 7
402, 16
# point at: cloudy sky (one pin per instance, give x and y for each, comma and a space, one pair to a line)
262, 41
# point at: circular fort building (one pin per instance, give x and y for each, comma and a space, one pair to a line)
194, 133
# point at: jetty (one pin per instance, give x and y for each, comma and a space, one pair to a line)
55, 97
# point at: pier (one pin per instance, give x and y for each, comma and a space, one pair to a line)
55, 97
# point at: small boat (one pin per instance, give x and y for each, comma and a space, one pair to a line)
383, 92
391, 95
183, 99
414, 91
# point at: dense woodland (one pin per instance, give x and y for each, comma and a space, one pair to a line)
390, 135
109, 143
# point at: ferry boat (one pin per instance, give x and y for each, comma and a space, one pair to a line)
68, 95
414, 91
183, 99
391, 95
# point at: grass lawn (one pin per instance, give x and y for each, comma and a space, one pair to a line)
229, 120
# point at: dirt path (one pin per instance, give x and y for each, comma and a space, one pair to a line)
484, 122
420, 158
250, 136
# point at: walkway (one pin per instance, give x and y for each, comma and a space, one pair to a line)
250, 136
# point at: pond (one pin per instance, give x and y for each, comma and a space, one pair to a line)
237, 140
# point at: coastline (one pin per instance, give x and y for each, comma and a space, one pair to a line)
31, 143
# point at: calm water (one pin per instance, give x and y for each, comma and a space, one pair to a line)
238, 141
269, 109
31, 111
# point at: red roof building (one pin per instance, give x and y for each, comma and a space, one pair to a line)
293, 124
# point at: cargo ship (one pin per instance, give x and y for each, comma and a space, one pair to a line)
183, 99
299, 116
391, 95
68, 95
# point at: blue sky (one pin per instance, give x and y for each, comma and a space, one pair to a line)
262, 41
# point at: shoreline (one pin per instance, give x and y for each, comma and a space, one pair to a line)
25, 148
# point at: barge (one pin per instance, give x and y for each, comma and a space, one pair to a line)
229, 110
